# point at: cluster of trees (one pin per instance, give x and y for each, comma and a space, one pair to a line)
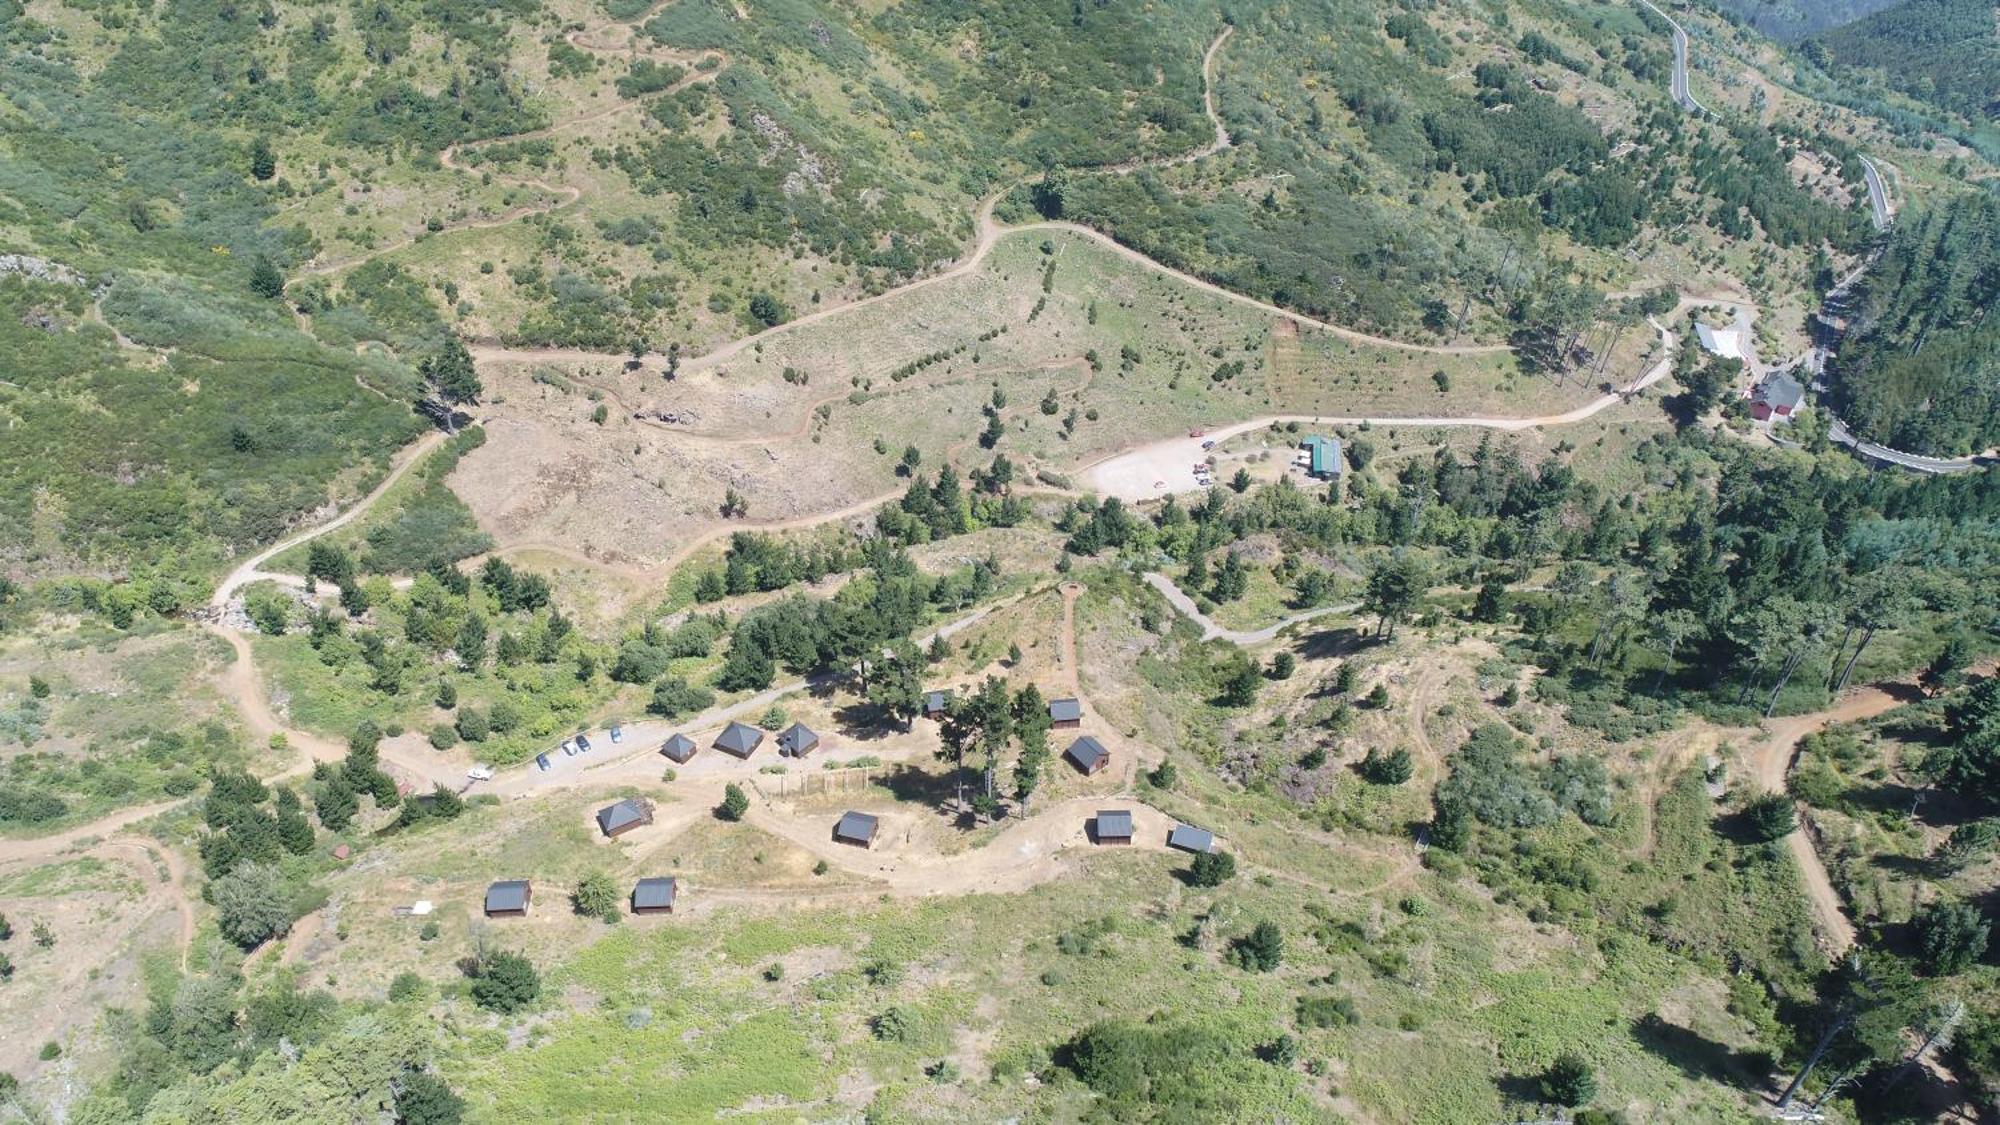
243, 852
1490, 781
755, 561
1732, 580
848, 633
941, 507
1921, 370
204, 1046
984, 723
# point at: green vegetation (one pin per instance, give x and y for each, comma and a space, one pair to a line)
1921, 373
1942, 52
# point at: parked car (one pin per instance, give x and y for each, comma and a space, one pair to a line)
542, 762
569, 748
617, 733
1209, 444
482, 772
583, 743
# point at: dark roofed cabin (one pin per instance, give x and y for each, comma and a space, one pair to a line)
797, 741
616, 820
936, 703
1113, 826
856, 828
1088, 754
509, 898
1188, 838
739, 740
653, 896
1065, 714
679, 748
1776, 397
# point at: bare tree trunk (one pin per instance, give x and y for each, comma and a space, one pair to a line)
1784, 677
1840, 648
1664, 668
1866, 636
1825, 1040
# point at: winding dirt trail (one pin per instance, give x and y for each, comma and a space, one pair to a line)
989, 232
1772, 762
448, 159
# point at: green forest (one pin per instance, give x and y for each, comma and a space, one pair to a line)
1942, 52
1921, 370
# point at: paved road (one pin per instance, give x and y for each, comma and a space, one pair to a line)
1839, 435
1679, 84
1211, 631
1878, 194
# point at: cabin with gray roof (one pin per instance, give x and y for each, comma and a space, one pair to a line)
616, 820
509, 898
739, 739
936, 703
1087, 754
679, 748
1065, 714
857, 829
797, 741
1112, 826
1777, 397
654, 896
1188, 838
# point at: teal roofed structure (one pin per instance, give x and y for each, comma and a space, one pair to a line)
1322, 457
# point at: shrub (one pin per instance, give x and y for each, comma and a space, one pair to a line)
444, 736
406, 986
674, 697
422, 1098
892, 1026
1570, 1080
595, 895
505, 982
1163, 776
1212, 869
253, 904
1770, 816
1393, 768
734, 803
1953, 936
1261, 951
1327, 1011
51, 1051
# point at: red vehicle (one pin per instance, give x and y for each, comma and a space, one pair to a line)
1196, 433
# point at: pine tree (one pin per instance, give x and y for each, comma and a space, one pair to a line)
263, 162
265, 280
734, 803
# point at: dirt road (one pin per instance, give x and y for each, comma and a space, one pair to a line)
1772, 761
1160, 468
1211, 631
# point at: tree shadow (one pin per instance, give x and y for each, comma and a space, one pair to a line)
1698, 1056
1915, 866
1326, 644
862, 719
908, 783
1523, 1089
